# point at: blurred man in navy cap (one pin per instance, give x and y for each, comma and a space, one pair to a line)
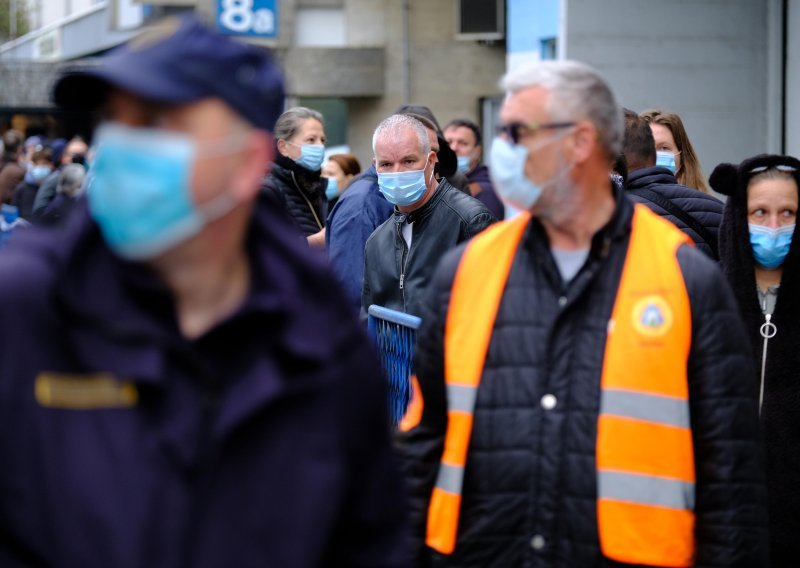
179, 385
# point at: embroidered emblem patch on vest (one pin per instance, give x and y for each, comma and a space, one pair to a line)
652, 316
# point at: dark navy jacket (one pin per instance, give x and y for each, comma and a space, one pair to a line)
487, 196
704, 208
262, 443
359, 211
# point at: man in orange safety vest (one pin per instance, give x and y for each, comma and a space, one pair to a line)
583, 379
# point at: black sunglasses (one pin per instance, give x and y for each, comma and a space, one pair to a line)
512, 130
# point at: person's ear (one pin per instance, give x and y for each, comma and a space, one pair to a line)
282, 148
584, 139
256, 157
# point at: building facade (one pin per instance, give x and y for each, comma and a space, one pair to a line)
729, 68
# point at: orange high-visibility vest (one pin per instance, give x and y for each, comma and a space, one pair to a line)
645, 455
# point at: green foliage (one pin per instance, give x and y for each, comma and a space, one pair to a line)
23, 26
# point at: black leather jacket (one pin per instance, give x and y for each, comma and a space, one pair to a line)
394, 275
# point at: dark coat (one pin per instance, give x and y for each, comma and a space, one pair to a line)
704, 208
780, 414
24, 196
359, 211
299, 192
394, 276
263, 442
530, 470
487, 195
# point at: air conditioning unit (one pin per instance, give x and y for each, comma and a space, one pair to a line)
481, 19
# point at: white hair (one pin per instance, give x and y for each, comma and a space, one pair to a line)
578, 92
396, 123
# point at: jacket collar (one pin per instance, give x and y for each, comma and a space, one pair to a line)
122, 317
617, 228
424, 211
643, 177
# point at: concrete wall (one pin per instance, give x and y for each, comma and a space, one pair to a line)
448, 75
793, 80
706, 60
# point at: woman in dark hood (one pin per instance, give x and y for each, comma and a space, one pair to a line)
760, 255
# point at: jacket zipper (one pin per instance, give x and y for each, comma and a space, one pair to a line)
768, 331
311, 207
403, 263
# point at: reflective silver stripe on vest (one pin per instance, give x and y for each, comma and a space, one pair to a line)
650, 407
646, 490
461, 398
450, 478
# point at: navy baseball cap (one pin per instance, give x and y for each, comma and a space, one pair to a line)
180, 61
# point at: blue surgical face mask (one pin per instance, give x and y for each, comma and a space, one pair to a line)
403, 188
770, 246
463, 164
38, 173
507, 169
332, 189
666, 160
311, 156
140, 194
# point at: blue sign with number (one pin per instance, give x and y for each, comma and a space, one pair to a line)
248, 17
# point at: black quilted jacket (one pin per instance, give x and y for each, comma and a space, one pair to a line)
297, 191
529, 495
704, 208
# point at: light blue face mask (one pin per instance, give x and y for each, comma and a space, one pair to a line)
403, 188
38, 173
332, 189
666, 160
463, 164
311, 156
140, 194
507, 169
770, 246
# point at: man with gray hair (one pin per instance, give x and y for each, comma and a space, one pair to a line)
69, 186
585, 390
430, 217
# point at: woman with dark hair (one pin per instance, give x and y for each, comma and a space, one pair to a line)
294, 182
760, 254
340, 170
674, 150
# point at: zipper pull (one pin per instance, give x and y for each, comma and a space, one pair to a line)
402, 277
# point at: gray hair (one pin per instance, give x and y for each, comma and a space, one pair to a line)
396, 123
70, 180
578, 92
290, 121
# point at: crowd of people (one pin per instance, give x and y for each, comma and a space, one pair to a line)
604, 375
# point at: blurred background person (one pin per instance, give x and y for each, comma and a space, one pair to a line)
760, 256
695, 213
25, 193
464, 138
72, 151
294, 183
674, 151
69, 188
446, 159
340, 171
12, 171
